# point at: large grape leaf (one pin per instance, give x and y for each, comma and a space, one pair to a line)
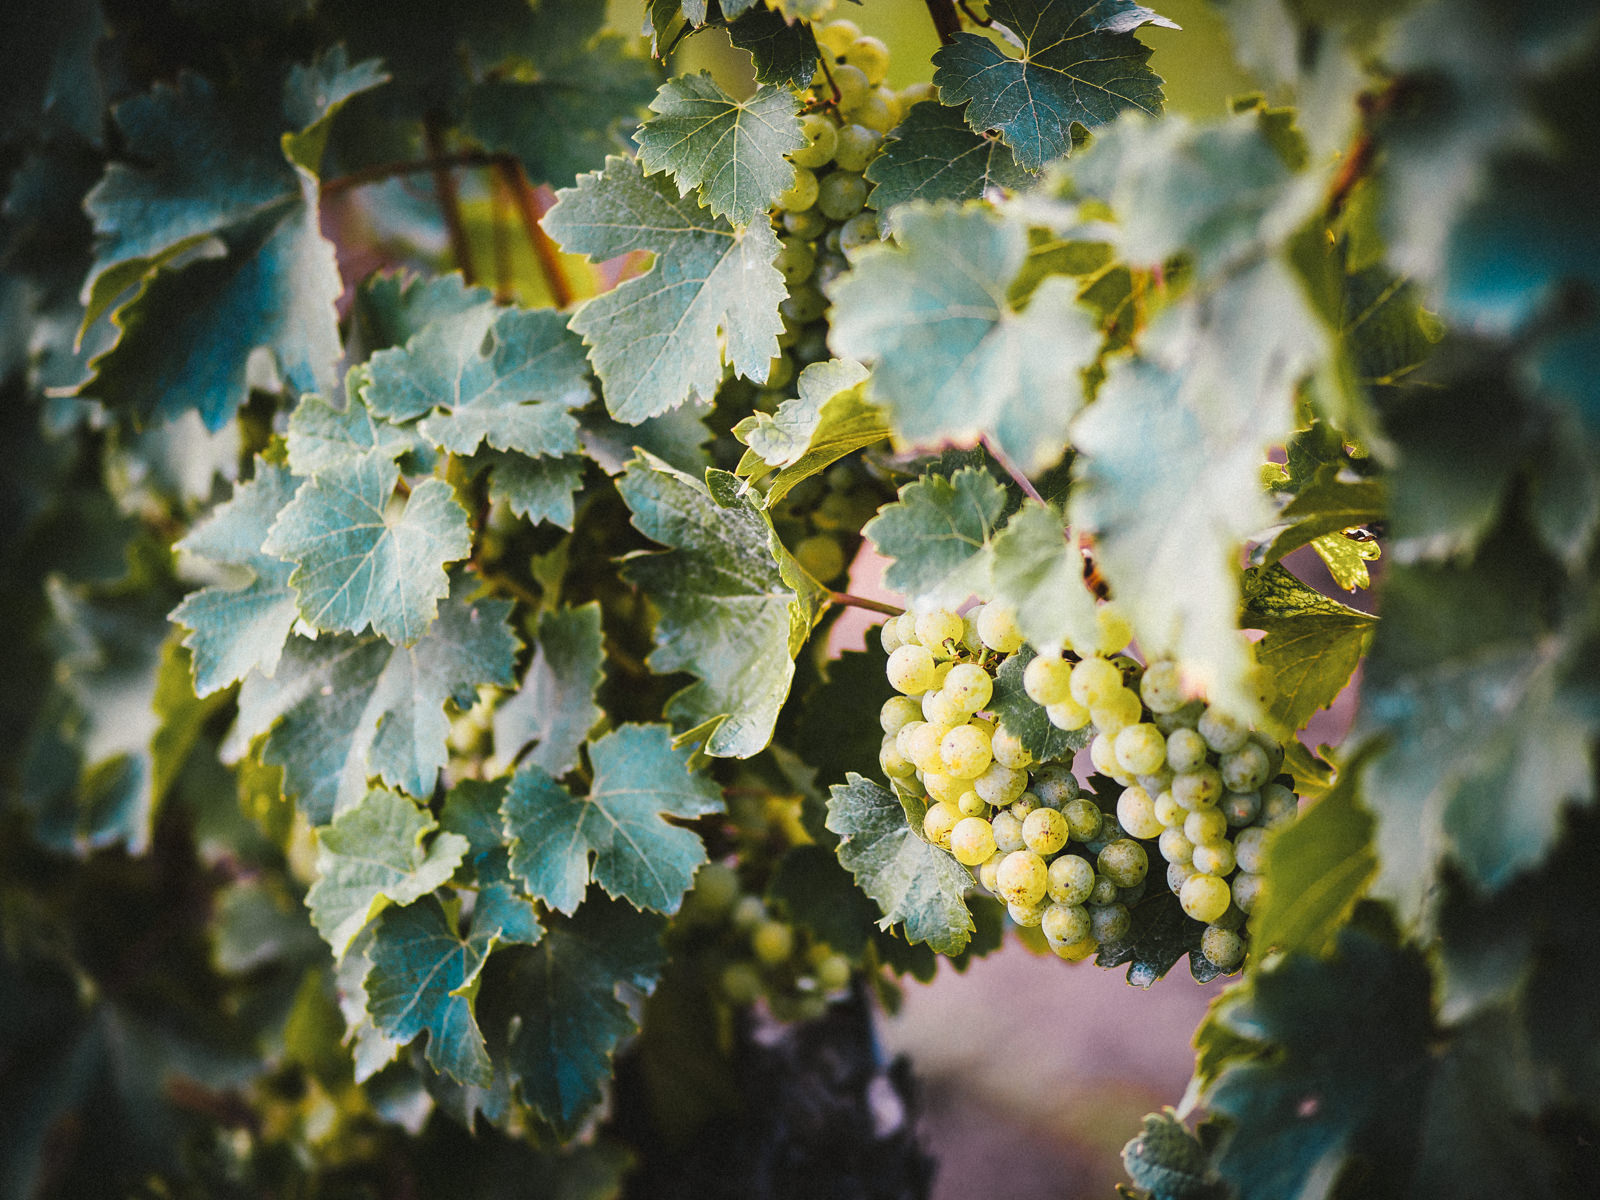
933, 155
781, 51
913, 882
734, 606
343, 709
952, 359
729, 151
654, 340
554, 709
639, 780
507, 376
358, 561
1080, 65
234, 630
1312, 646
1038, 572
570, 1019
217, 228
820, 896
536, 489
373, 855
939, 533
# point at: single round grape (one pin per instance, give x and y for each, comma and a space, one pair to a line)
1110, 831
1246, 769
1234, 918
749, 912
859, 232
1008, 832
916, 93
1095, 680
938, 626
1065, 923
1174, 846
1075, 951
1169, 811
822, 137
1055, 785
1103, 754
1137, 813
1141, 749
983, 723
986, 872
1067, 714
968, 687
895, 765
837, 36
876, 112
1009, 750
851, 84
1000, 785
972, 841
1177, 875
796, 259
716, 888
1119, 711
841, 195
919, 741
801, 194
997, 626
1278, 805
889, 637
1222, 947
938, 823
910, 670
1132, 895
970, 641
1109, 922
898, 712
1047, 679
1223, 733
1104, 891
1186, 750
1124, 862
1045, 831
1070, 879
1241, 808
1113, 630
808, 223
833, 973
1084, 819
1205, 826
1214, 858
965, 752
857, 146
1162, 686
939, 709
1204, 898
972, 805
1023, 878
1026, 915
1199, 788
1247, 890
1024, 806
1273, 749
871, 55
772, 942
1250, 849
905, 627
803, 305
1158, 782
904, 738
741, 983
944, 787
821, 557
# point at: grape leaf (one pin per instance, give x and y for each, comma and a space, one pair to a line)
554, 709
570, 1019
536, 489
952, 359
912, 881
730, 151
938, 532
357, 561
1326, 505
343, 709
1025, 720
838, 726
654, 340
818, 894
782, 52
322, 437
234, 630
1312, 644
392, 307
639, 780
1160, 934
373, 855
507, 376
1080, 65
734, 607
1039, 574
932, 155
678, 437
828, 420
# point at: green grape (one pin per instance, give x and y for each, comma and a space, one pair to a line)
1009, 751
837, 36
1065, 923
1094, 681
876, 112
970, 641
1132, 895
1109, 922
965, 752
1136, 812
910, 670
833, 973
1204, 898
1047, 679
942, 786
894, 764
1076, 951
1023, 878
857, 146
1000, 785
1199, 788
972, 805
1120, 710
804, 304
1169, 811
1158, 782
1250, 850
1067, 714
905, 626
1234, 918
1205, 826
972, 841
916, 93
906, 739
1024, 806
1044, 831
796, 260
859, 232
1103, 892
749, 912
1103, 754
898, 712
716, 887
1174, 846
939, 822
801, 194
1222, 947
1273, 749
1026, 915
1186, 717
1247, 890
1070, 879
1245, 769
1124, 862
1186, 750
772, 942
1214, 858
938, 626
871, 56
1113, 630
1140, 748
1008, 831
997, 626
852, 86
841, 195
805, 223
1178, 874
822, 136
939, 709
1162, 687
1278, 805
987, 872
1084, 819
741, 983
968, 687
1241, 808
821, 557
1221, 732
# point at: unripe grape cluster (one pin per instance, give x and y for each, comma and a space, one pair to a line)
1192, 790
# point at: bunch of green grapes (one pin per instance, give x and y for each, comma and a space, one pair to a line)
749, 953
1195, 788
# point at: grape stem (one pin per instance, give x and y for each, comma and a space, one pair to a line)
444, 186
849, 601
531, 206
946, 21
1022, 481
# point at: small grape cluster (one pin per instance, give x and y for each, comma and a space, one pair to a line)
1188, 784
748, 952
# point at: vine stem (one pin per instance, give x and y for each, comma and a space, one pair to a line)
501, 198
1021, 480
850, 601
532, 206
946, 21
444, 183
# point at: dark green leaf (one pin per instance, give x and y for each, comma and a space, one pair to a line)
554, 709
783, 52
933, 155
838, 729
818, 894
1160, 935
